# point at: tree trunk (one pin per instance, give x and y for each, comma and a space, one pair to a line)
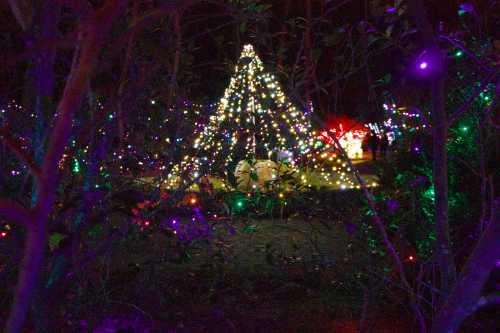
439, 136
90, 39
466, 298
440, 180
45, 78
44, 32
34, 246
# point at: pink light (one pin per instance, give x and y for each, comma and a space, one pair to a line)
423, 65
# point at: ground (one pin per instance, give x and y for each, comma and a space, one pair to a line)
291, 275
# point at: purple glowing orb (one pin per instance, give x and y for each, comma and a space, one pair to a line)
423, 65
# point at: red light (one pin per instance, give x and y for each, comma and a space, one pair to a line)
411, 258
193, 201
3, 234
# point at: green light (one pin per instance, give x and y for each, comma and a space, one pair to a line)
486, 98
465, 129
459, 53
429, 194
239, 204
110, 117
76, 166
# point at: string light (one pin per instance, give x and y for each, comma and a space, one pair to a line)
253, 119
76, 165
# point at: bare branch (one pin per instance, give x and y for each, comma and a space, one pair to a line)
15, 146
385, 236
470, 54
19, 15
466, 297
90, 35
468, 103
14, 212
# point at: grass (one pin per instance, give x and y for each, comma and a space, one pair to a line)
293, 275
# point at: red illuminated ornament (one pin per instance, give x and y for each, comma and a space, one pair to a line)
349, 133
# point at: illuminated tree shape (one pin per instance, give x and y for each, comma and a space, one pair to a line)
254, 120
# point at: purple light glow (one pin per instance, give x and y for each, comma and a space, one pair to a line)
391, 10
466, 7
423, 65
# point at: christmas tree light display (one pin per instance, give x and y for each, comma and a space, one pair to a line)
254, 120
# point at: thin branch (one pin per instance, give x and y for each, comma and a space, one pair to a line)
92, 32
466, 297
14, 6
16, 148
422, 116
466, 164
493, 105
371, 203
90, 35
470, 100
385, 236
13, 211
470, 54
